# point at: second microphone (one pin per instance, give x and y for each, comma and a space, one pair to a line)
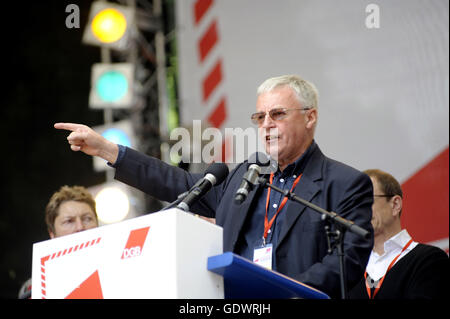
215, 174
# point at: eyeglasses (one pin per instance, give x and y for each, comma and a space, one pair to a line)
383, 195
275, 114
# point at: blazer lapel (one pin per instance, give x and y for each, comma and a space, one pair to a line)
306, 189
238, 217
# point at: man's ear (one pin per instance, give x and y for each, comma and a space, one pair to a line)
311, 118
397, 204
51, 234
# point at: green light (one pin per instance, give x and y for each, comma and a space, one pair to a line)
112, 86
117, 136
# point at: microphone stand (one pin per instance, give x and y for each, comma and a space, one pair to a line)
341, 226
177, 201
181, 197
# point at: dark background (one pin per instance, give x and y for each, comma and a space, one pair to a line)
47, 80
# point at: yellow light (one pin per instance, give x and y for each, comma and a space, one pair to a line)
112, 205
109, 25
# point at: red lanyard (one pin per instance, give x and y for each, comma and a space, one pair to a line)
369, 292
267, 223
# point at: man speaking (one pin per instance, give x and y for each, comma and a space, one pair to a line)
292, 235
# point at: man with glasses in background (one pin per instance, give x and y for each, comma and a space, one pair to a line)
399, 267
289, 237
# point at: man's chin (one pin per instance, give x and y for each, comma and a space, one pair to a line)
272, 151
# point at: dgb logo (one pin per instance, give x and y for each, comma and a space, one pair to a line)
135, 242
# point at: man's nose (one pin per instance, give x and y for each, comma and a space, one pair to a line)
268, 122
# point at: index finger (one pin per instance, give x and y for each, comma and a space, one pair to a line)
67, 126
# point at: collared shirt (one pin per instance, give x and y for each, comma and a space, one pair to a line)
378, 265
254, 226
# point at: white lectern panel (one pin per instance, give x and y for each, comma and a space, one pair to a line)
160, 255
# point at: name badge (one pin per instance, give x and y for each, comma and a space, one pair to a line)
263, 256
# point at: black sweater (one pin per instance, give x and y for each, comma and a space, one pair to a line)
423, 273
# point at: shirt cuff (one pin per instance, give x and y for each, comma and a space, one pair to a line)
120, 156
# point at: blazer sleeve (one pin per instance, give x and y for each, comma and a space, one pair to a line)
163, 181
351, 197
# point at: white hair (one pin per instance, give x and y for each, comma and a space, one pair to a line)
306, 91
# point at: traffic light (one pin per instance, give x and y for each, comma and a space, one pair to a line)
110, 25
112, 85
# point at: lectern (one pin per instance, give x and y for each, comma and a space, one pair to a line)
160, 255
166, 255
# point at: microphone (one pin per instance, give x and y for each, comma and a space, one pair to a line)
214, 174
250, 178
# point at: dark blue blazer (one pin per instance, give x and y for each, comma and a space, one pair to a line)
301, 252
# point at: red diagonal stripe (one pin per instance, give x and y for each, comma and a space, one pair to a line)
200, 8
219, 115
89, 289
426, 202
212, 80
208, 40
